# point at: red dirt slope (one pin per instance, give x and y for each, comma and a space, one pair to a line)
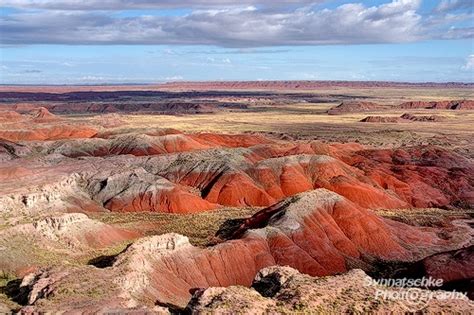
55, 132
315, 232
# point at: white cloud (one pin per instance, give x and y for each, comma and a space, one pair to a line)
175, 78
469, 63
451, 5
353, 23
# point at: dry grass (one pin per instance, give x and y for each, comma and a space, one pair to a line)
309, 121
431, 217
200, 227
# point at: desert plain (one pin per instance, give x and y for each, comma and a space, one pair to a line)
234, 197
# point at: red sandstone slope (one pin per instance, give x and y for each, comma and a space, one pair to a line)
55, 132
254, 177
8, 116
143, 145
422, 176
207, 174
141, 191
316, 232
40, 125
42, 114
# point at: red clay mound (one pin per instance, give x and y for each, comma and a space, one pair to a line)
54, 132
142, 191
316, 232
319, 229
10, 116
422, 176
454, 105
286, 176
138, 145
354, 107
43, 114
143, 145
233, 180
252, 177
183, 170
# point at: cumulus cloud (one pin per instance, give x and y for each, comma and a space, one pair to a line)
246, 26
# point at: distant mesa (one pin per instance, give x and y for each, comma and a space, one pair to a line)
354, 107
300, 85
381, 119
453, 105
60, 106
407, 117
359, 107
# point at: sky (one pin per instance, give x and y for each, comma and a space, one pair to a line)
145, 41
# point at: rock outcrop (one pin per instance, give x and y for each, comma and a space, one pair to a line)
70, 234
285, 290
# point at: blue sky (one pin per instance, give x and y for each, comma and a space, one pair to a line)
144, 41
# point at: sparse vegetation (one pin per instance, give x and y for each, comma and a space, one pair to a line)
430, 217
200, 227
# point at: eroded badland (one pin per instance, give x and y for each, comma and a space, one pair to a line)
222, 197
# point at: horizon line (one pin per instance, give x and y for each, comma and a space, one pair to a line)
230, 81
